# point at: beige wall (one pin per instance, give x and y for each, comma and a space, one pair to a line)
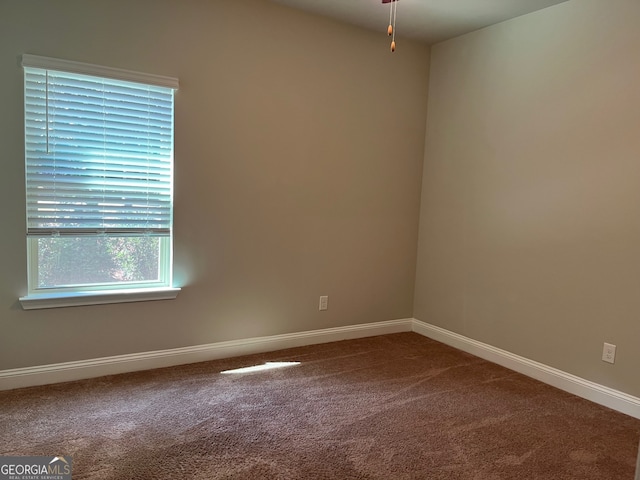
299, 150
530, 218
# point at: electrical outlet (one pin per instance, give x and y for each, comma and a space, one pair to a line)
609, 353
324, 302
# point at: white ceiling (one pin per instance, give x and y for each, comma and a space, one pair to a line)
428, 20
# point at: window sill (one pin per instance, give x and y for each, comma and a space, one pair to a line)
56, 300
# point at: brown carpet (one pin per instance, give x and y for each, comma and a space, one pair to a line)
391, 407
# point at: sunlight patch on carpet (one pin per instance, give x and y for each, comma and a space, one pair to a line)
264, 366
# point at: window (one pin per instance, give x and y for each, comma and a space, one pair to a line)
99, 184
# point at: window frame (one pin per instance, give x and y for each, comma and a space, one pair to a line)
94, 294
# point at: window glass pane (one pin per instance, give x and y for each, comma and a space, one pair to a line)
68, 261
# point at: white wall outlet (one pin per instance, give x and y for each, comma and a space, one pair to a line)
609, 353
324, 302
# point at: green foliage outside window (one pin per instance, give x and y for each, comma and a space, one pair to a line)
97, 260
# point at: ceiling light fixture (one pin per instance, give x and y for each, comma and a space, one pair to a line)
391, 30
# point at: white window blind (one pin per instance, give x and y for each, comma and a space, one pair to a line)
99, 152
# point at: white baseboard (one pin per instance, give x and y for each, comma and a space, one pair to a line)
97, 367
600, 394
70, 371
